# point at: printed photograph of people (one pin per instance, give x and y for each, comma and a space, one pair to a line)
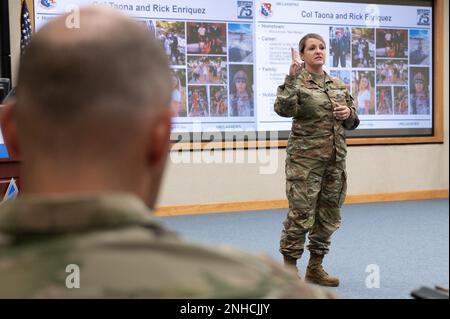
340, 47
392, 72
363, 48
343, 75
207, 70
384, 100
218, 101
419, 47
172, 37
400, 100
179, 93
241, 90
392, 43
419, 91
240, 41
206, 38
198, 101
363, 91
150, 24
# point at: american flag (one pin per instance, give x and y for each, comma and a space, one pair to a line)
25, 27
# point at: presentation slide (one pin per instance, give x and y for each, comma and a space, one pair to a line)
381, 52
210, 47
229, 56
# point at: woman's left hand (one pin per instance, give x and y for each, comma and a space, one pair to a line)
341, 112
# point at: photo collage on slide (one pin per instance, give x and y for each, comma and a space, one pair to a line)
386, 70
212, 67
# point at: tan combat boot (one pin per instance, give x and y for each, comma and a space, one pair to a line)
291, 263
316, 274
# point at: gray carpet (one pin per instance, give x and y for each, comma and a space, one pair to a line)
408, 241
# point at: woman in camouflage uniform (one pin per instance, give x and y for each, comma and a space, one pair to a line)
316, 181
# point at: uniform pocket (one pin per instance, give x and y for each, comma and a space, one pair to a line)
337, 96
302, 186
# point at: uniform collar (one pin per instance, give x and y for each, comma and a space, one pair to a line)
32, 214
309, 77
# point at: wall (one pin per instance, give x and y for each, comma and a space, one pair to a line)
371, 169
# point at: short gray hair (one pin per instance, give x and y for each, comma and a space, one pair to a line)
111, 68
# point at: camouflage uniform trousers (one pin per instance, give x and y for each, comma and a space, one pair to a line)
316, 191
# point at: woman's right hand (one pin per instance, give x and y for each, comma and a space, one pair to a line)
296, 66
295, 69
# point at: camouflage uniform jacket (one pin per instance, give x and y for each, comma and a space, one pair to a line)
122, 252
315, 131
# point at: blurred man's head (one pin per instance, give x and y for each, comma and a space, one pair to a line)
92, 111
